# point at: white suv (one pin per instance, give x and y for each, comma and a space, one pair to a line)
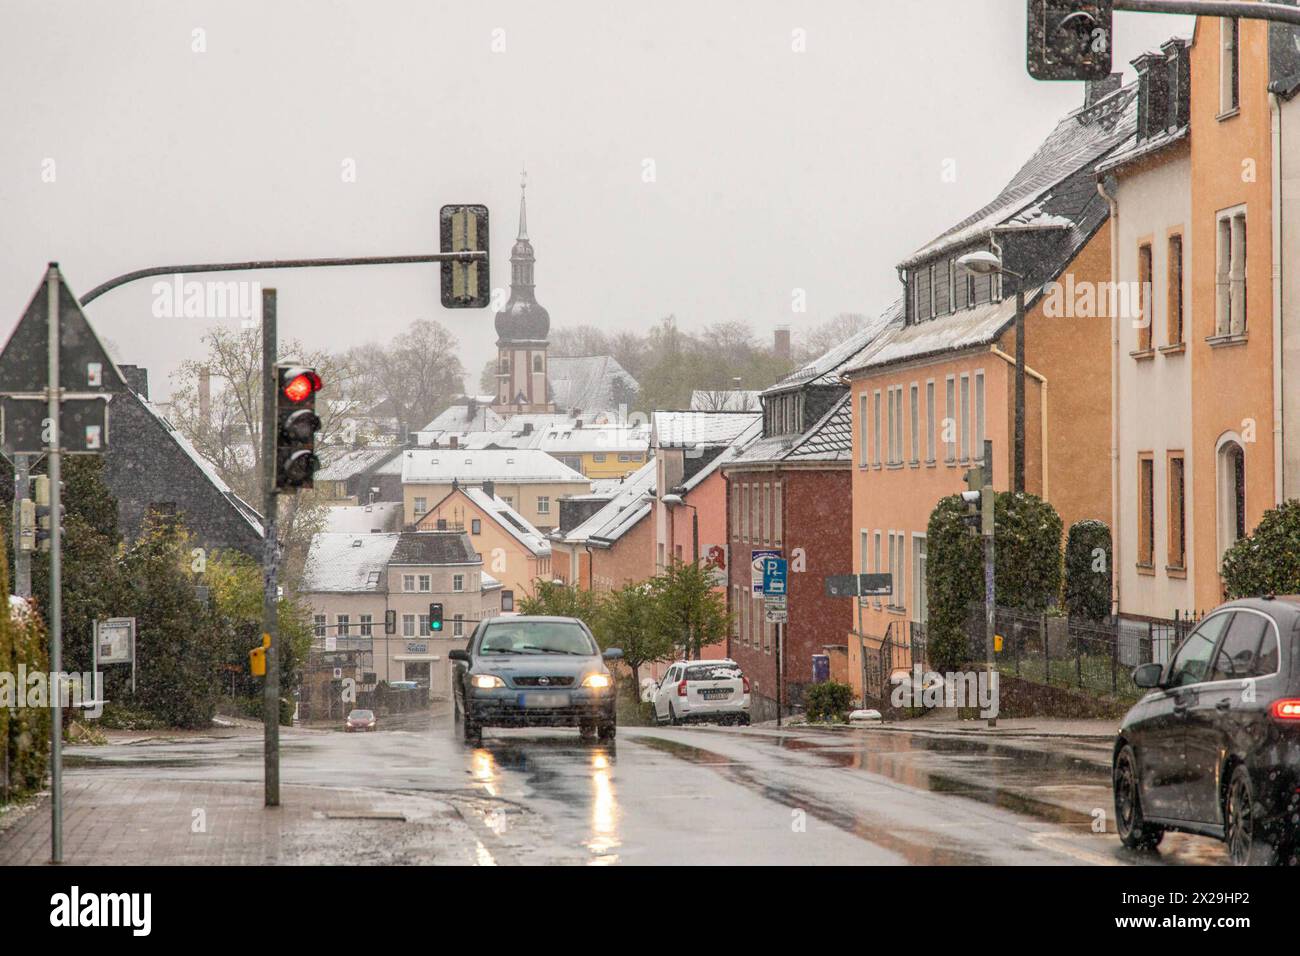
703, 690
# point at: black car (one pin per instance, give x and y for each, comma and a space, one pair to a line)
1214, 748
530, 671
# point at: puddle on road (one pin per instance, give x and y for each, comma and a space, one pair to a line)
891, 837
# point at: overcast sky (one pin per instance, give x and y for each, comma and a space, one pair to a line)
773, 170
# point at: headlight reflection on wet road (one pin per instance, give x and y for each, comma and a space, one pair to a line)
604, 811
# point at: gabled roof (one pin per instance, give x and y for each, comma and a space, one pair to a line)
347, 562
752, 433
590, 383
514, 524
475, 465
622, 512
1078, 141
460, 418
434, 547
691, 429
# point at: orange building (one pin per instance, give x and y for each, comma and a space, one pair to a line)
941, 378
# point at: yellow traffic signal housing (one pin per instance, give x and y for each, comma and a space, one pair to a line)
257, 657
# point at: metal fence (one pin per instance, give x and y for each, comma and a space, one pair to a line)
1096, 656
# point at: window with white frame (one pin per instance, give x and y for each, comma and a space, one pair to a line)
933, 285
776, 513
920, 602
421, 506
458, 582
343, 622
424, 624
979, 415
408, 582
367, 624
929, 420
892, 451
965, 417
950, 420
458, 626
1229, 64
543, 505
876, 430
1230, 273
408, 625
426, 583
914, 414
318, 623
877, 566
863, 431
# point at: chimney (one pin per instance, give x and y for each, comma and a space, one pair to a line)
471, 409
528, 428
490, 489
137, 379
1094, 90
205, 396
781, 342
455, 441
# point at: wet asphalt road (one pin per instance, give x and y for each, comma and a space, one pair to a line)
705, 795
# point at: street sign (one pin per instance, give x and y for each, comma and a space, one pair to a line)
25, 424
774, 574
756, 559
116, 639
859, 585
776, 614
84, 365
1069, 39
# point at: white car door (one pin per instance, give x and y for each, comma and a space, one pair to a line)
661, 692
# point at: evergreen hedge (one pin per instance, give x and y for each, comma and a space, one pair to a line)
1088, 570
1267, 561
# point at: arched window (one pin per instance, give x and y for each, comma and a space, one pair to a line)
505, 363
537, 363
1231, 467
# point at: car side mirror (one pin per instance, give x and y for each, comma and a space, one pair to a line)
1148, 675
458, 655
613, 653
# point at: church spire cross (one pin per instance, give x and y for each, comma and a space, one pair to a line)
523, 208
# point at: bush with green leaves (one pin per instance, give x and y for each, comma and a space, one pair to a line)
827, 701
690, 611
1266, 561
628, 620
24, 731
1026, 567
1088, 570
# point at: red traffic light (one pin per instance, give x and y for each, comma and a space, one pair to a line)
302, 386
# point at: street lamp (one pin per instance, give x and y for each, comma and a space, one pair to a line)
673, 501
985, 263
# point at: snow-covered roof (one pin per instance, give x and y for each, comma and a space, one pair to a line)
742, 441
465, 417
339, 562
830, 439
380, 516
209, 471
687, 429
473, 465
624, 510
826, 368
1081, 138
590, 383
346, 464
621, 439
967, 328
515, 524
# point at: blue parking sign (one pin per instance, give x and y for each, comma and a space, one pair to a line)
774, 575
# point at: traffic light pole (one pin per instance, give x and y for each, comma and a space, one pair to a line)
54, 467
1242, 9
22, 557
270, 557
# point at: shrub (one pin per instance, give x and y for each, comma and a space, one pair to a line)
953, 581
1026, 551
1088, 587
1267, 561
828, 700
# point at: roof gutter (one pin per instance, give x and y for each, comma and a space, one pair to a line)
1279, 474
1042, 418
1115, 544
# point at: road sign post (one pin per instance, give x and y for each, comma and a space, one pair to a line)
775, 591
54, 468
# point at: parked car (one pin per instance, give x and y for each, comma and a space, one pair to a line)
1214, 747
694, 691
360, 720
531, 671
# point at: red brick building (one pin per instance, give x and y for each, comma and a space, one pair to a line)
790, 490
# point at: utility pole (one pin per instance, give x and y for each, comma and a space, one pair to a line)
1018, 477
54, 467
986, 529
779, 682
270, 557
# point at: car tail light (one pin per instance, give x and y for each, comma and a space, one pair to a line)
681, 689
745, 681
1285, 708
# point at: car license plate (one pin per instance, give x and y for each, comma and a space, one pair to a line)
546, 699
716, 694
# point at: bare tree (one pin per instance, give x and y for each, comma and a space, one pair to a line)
415, 376
823, 337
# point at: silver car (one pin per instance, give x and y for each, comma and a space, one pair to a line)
523, 671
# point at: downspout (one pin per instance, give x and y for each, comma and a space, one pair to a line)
1279, 491
1042, 418
1114, 398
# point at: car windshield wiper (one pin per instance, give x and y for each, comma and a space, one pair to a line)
553, 650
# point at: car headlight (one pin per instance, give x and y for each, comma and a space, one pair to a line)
596, 681
486, 681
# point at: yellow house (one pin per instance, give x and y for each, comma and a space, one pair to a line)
598, 451
513, 551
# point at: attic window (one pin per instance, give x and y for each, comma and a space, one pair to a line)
372, 577
356, 542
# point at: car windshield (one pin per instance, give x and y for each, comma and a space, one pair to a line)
536, 637
713, 672
360, 715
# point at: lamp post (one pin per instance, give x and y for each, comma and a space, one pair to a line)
676, 500
984, 263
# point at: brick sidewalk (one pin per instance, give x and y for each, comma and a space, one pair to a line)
120, 820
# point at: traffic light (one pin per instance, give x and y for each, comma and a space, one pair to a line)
435, 618
41, 507
26, 525
1069, 39
465, 285
296, 426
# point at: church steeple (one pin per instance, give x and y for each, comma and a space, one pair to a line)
522, 327
521, 255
